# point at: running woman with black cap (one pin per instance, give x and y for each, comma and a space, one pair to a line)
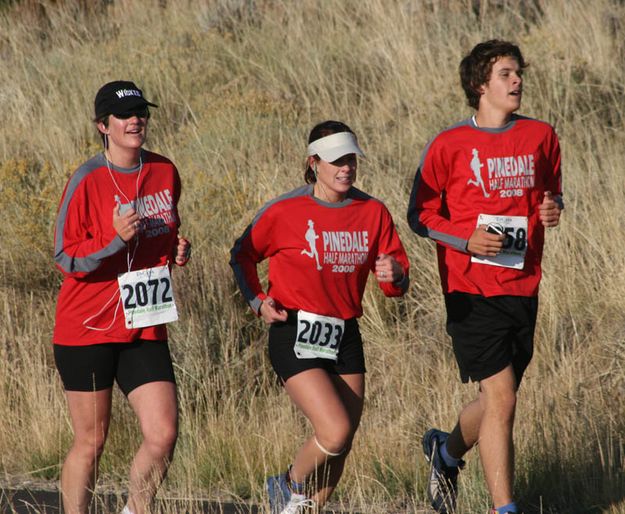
116, 239
485, 191
322, 240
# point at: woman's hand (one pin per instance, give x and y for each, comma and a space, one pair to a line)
387, 269
183, 251
270, 313
126, 225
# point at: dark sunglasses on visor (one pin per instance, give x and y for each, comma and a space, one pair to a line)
139, 113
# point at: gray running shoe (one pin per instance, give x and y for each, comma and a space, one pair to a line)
443, 485
278, 492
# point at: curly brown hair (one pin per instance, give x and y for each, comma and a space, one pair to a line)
476, 67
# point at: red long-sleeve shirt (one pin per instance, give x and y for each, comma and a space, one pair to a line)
91, 254
466, 171
320, 254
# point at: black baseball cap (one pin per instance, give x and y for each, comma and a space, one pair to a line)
118, 97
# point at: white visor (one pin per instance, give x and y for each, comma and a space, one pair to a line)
335, 146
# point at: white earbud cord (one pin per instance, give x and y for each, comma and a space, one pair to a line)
129, 260
322, 189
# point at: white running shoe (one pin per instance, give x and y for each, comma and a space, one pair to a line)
298, 504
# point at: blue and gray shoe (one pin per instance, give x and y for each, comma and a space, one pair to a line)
443, 485
278, 492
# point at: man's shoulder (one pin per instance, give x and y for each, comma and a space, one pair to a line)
533, 123
448, 137
452, 131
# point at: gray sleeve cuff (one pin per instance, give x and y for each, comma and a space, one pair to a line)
255, 305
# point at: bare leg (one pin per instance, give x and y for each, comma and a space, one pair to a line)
466, 432
351, 389
329, 415
156, 407
90, 413
490, 420
498, 398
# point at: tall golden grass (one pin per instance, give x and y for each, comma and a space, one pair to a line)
239, 84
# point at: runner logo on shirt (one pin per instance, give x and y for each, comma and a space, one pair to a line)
476, 168
345, 250
155, 210
311, 237
511, 175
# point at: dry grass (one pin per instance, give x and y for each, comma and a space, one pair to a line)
239, 84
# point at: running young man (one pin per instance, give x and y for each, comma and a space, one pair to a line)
485, 190
323, 240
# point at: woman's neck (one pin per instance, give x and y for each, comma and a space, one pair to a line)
327, 196
123, 157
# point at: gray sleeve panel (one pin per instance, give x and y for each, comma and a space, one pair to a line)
250, 297
300, 191
255, 305
467, 122
239, 276
413, 214
455, 242
424, 231
91, 262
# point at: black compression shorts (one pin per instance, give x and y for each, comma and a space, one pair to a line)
351, 358
96, 367
488, 333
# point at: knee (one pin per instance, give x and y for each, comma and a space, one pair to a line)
336, 438
508, 402
89, 446
161, 440
502, 403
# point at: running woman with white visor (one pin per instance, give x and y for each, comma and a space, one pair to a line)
322, 240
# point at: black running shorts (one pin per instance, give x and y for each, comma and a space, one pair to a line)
96, 367
488, 333
351, 358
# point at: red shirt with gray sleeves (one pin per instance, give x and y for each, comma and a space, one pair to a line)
320, 254
469, 176
91, 254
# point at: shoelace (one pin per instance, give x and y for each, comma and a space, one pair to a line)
297, 503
